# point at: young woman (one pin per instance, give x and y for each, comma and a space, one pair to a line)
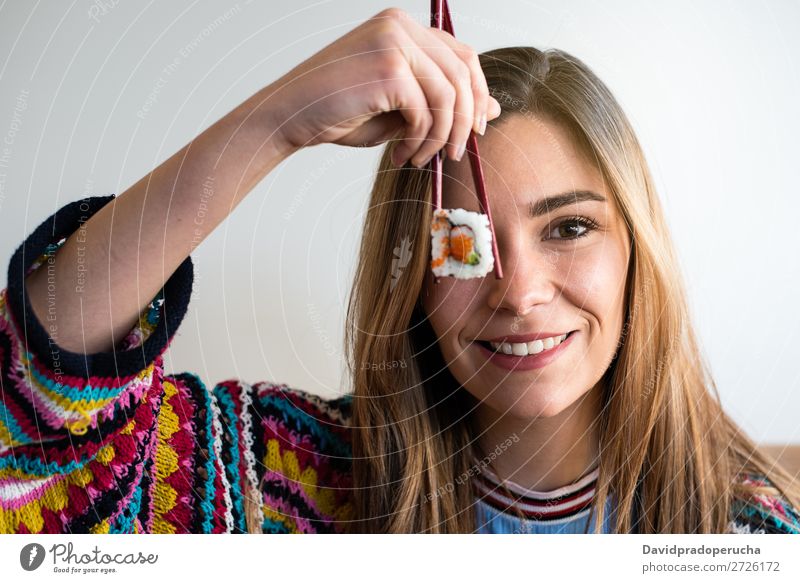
568, 396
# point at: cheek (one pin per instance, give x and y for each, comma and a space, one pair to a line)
448, 306
596, 284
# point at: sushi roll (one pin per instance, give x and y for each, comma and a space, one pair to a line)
461, 244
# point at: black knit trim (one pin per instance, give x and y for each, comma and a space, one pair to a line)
114, 363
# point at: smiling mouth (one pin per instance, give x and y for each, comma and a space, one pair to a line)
522, 349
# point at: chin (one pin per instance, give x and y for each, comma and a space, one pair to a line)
532, 404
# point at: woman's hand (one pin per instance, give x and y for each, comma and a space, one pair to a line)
389, 74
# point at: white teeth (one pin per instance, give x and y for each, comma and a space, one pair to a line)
526, 348
535, 346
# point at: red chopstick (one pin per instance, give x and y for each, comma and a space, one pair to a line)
437, 7
477, 175
440, 18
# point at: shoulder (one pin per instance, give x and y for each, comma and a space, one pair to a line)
764, 512
297, 419
301, 445
296, 415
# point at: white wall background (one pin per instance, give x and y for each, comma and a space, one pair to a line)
712, 88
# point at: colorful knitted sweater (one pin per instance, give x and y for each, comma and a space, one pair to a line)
109, 443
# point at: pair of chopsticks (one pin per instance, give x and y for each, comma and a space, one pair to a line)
440, 18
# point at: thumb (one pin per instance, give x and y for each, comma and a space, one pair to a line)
494, 109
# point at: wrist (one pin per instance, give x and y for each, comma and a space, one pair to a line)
265, 108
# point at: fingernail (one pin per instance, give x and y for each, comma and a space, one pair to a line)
482, 129
461, 149
496, 107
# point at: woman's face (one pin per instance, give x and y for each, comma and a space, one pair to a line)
554, 281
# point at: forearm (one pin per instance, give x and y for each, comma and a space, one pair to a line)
107, 271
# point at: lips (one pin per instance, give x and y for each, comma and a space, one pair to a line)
520, 362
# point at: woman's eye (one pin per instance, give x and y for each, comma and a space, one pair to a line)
573, 228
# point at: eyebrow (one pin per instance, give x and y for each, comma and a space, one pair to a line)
555, 202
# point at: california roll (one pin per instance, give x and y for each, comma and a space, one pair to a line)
461, 244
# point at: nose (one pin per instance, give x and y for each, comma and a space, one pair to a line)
528, 276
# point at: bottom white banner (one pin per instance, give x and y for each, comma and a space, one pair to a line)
118, 558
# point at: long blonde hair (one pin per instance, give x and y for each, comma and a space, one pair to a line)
669, 454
